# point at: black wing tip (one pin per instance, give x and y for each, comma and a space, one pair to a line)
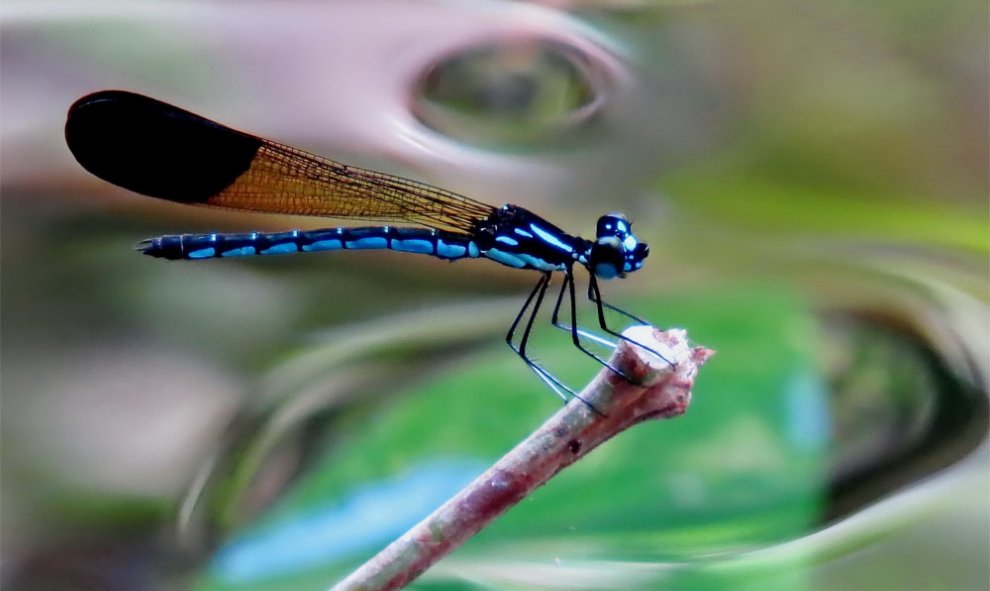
102, 107
154, 148
104, 96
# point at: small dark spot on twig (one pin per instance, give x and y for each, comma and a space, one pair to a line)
574, 445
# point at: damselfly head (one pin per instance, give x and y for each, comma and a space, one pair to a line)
616, 251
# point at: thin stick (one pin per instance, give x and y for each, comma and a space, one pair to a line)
566, 437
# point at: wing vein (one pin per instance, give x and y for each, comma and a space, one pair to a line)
282, 179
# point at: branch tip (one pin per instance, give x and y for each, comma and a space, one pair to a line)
661, 366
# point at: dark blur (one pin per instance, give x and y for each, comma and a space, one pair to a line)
812, 178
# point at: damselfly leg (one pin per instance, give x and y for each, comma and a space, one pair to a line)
595, 295
537, 294
576, 333
536, 299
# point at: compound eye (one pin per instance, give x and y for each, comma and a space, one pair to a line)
613, 224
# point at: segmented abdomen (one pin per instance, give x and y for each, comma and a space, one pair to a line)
437, 243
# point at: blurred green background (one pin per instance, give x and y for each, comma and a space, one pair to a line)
812, 179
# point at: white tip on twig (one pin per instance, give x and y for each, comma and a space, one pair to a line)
671, 344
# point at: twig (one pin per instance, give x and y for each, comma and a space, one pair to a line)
566, 437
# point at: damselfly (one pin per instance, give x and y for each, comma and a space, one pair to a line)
159, 150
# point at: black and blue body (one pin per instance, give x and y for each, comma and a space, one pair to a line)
513, 237
159, 150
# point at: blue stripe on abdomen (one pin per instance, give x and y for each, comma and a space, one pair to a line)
441, 244
446, 250
240, 252
416, 245
202, 253
281, 248
367, 243
318, 245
